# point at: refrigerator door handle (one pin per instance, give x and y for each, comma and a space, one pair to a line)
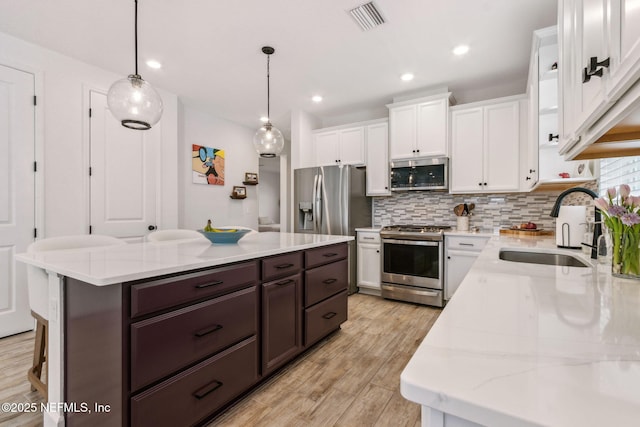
319, 205
314, 202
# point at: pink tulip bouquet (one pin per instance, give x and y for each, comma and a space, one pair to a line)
621, 214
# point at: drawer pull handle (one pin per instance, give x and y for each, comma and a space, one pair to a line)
208, 330
329, 255
281, 266
329, 281
284, 282
368, 238
467, 244
212, 386
206, 285
329, 315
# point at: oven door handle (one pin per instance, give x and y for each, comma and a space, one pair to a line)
412, 242
414, 292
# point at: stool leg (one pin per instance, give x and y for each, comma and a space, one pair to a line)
39, 357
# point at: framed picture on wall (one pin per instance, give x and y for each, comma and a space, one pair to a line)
239, 192
250, 178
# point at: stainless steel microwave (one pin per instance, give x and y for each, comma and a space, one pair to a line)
430, 173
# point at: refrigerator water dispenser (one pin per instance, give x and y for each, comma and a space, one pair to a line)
305, 216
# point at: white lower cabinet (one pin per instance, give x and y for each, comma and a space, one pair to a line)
460, 254
369, 262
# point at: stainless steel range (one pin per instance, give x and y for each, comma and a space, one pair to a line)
412, 263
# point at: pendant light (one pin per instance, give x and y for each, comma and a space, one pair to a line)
132, 100
268, 140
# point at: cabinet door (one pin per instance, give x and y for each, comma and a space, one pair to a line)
325, 146
369, 266
402, 132
568, 78
352, 146
432, 128
378, 160
530, 174
501, 146
466, 150
590, 41
625, 39
281, 321
458, 264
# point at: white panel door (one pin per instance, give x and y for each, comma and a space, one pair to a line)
402, 132
378, 160
432, 128
352, 146
325, 146
502, 146
124, 171
17, 191
467, 150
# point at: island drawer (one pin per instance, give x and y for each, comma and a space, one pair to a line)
148, 297
322, 282
324, 317
325, 255
198, 392
281, 266
164, 344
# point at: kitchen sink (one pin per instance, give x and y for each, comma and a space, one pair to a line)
542, 258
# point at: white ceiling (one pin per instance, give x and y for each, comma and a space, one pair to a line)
211, 49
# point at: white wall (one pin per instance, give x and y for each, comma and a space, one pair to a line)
200, 202
62, 143
269, 195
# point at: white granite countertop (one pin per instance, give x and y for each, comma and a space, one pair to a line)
115, 264
528, 344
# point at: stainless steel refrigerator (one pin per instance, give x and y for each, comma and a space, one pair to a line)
332, 200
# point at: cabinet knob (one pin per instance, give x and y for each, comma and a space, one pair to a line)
528, 178
448, 257
484, 184
152, 227
418, 151
480, 184
532, 170
413, 151
386, 188
377, 251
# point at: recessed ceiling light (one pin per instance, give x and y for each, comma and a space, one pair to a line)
406, 77
264, 119
152, 63
316, 98
461, 50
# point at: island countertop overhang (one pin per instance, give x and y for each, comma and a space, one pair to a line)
136, 261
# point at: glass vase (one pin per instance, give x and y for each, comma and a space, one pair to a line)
625, 254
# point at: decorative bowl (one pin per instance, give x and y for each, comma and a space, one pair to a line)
224, 235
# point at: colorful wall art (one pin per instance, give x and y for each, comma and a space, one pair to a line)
207, 165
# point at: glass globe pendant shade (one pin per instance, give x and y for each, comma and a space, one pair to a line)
135, 103
268, 141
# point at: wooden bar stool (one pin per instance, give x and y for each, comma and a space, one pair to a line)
38, 285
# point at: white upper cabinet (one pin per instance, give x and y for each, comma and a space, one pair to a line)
418, 128
485, 147
378, 159
599, 62
339, 146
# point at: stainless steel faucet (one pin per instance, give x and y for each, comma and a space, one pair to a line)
597, 226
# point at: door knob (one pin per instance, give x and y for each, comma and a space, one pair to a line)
152, 227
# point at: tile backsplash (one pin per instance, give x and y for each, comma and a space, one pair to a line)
492, 211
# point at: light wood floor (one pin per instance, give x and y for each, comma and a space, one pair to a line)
351, 378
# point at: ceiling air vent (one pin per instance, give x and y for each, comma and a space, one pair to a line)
367, 16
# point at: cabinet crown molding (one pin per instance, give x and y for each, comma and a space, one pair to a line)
489, 102
446, 95
352, 125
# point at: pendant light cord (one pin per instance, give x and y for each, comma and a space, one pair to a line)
136, 36
268, 90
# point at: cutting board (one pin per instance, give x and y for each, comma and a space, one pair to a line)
523, 232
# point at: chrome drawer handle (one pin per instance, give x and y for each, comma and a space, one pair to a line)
281, 266
207, 331
329, 281
206, 285
213, 386
329, 315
